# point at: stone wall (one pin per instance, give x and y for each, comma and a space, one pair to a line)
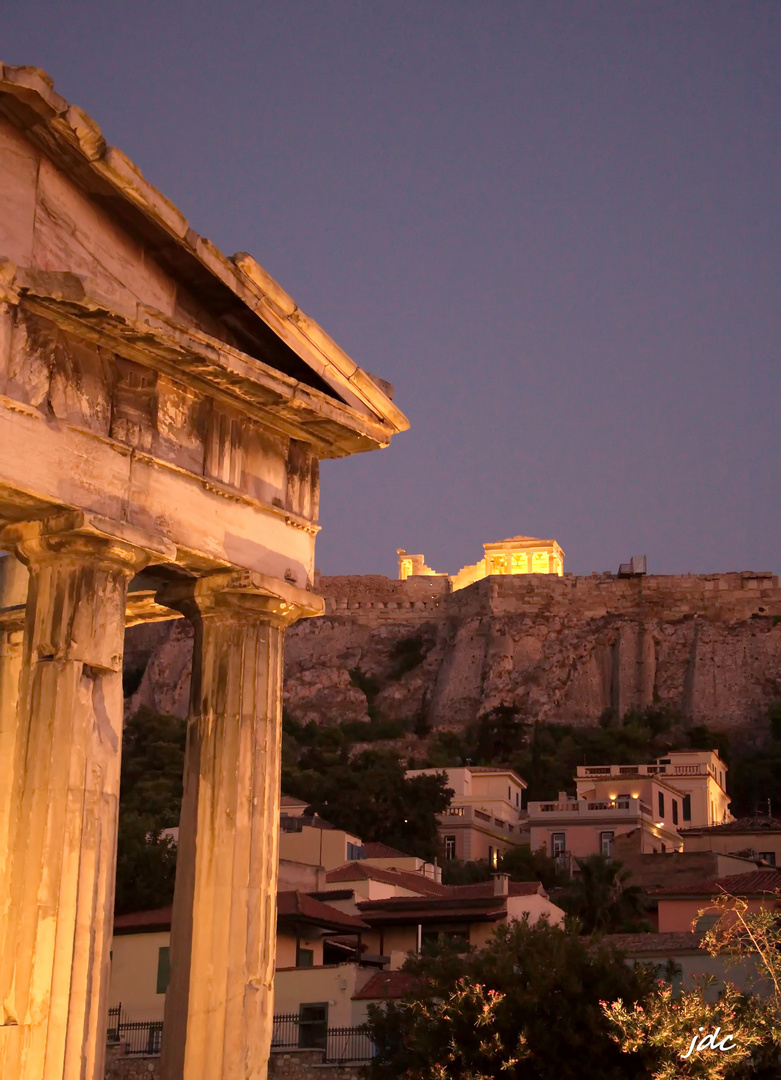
308, 1065
559, 648
284, 1065
120, 1066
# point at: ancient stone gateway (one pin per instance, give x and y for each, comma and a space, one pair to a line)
163, 410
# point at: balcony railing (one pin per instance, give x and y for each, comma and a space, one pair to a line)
471, 813
340, 1044
582, 806
604, 772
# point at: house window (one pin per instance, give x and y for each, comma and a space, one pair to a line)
661, 804
557, 843
355, 852
706, 921
675, 811
517, 799
493, 857
606, 843
509, 795
313, 1026
305, 957
768, 856
687, 808
450, 847
433, 937
163, 969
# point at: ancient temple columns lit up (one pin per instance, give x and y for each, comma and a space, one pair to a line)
517, 555
163, 413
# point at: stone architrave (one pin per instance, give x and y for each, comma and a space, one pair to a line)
54, 953
219, 1005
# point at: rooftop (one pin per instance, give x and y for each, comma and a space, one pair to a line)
384, 985
376, 850
753, 883
755, 824
405, 879
300, 907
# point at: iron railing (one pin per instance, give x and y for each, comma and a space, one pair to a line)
139, 1036
340, 1044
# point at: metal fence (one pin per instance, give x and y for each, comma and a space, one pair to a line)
340, 1044
139, 1036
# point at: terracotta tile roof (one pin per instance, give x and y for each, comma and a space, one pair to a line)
138, 921
384, 985
407, 909
290, 905
651, 944
327, 895
754, 883
486, 888
375, 850
299, 907
405, 879
757, 823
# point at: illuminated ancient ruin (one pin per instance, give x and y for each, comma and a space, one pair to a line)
517, 555
163, 410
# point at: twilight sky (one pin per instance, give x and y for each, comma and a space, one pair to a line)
554, 226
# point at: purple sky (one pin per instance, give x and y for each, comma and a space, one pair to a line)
556, 227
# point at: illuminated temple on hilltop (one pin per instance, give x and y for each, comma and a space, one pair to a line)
518, 555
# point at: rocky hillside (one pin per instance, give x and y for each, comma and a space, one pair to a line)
558, 649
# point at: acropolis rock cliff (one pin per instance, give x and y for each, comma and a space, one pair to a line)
560, 648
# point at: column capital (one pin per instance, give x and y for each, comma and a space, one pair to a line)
241, 594
84, 536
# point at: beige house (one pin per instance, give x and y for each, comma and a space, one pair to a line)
485, 815
402, 925
315, 842
571, 827
516, 555
682, 907
311, 936
654, 802
757, 836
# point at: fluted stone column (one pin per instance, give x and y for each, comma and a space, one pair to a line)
56, 936
219, 1005
13, 597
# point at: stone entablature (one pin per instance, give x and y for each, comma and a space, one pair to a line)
516, 555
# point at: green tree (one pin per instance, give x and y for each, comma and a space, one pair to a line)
146, 866
496, 736
600, 897
521, 863
370, 796
544, 1020
150, 799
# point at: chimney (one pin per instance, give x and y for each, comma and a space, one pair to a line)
501, 884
